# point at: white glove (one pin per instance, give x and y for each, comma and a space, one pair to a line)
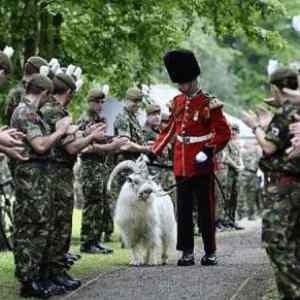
201, 157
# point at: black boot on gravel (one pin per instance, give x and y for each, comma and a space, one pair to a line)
187, 259
209, 260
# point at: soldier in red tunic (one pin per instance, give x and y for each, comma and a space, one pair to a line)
201, 130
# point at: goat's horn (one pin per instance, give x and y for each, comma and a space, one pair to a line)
126, 164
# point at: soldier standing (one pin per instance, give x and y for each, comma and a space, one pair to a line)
221, 172
201, 130
127, 124
249, 182
94, 174
33, 207
61, 164
153, 119
233, 160
280, 231
10, 139
31, 67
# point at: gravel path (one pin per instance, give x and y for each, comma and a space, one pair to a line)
243, 273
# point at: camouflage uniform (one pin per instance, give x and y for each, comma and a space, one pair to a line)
62, 189
14, 98
127, 124
232, 159
249, 185
281, 216
93, 176
222, 175
33, 207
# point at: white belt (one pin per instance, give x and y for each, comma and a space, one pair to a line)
194, 139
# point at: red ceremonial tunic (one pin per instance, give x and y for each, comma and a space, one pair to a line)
197, 116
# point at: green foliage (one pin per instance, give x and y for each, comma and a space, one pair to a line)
122, 42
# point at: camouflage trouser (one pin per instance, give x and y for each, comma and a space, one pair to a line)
220, 201
250, 194
33, 210
62, 189
232, 194
93, 176
281, 236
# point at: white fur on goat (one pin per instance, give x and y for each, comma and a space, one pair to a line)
144, 215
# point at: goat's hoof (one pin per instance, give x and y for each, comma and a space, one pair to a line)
134, 264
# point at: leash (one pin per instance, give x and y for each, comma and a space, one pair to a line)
172, 187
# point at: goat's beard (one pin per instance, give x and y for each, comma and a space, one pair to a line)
144, 196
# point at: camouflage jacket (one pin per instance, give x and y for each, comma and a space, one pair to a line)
250, 160
127, 124
150, 134
15, 97
232, 155
87, 119
52, 112
30, 121
278, 134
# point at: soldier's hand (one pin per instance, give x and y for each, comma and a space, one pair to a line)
16, 153
294, 150
119, 143
295, 128
293, 95
72, 129
63, 124
98, 133
11, 137
92, 127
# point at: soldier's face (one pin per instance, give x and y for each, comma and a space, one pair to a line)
154, 119
188, 88
133, 106
96, 106
44, 98
3, 77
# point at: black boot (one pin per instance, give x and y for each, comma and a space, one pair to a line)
236, 226
209, 260
53, 288
104, 249
72, 256
66, 281
34, 289
187, 259
92, 248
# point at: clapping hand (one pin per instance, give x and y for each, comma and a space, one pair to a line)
97, 132
11, 137
293, 95
16, 153
63, 124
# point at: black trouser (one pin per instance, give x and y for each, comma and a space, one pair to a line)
197, 190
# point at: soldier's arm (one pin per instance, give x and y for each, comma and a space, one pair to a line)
267, 146
82, 142
136, 148
14, 152
42, 144
115, 145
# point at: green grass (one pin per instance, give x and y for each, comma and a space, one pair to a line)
86, 268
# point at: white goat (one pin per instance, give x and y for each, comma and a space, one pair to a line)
144, 214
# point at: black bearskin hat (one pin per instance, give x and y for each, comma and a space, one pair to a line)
182, 65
